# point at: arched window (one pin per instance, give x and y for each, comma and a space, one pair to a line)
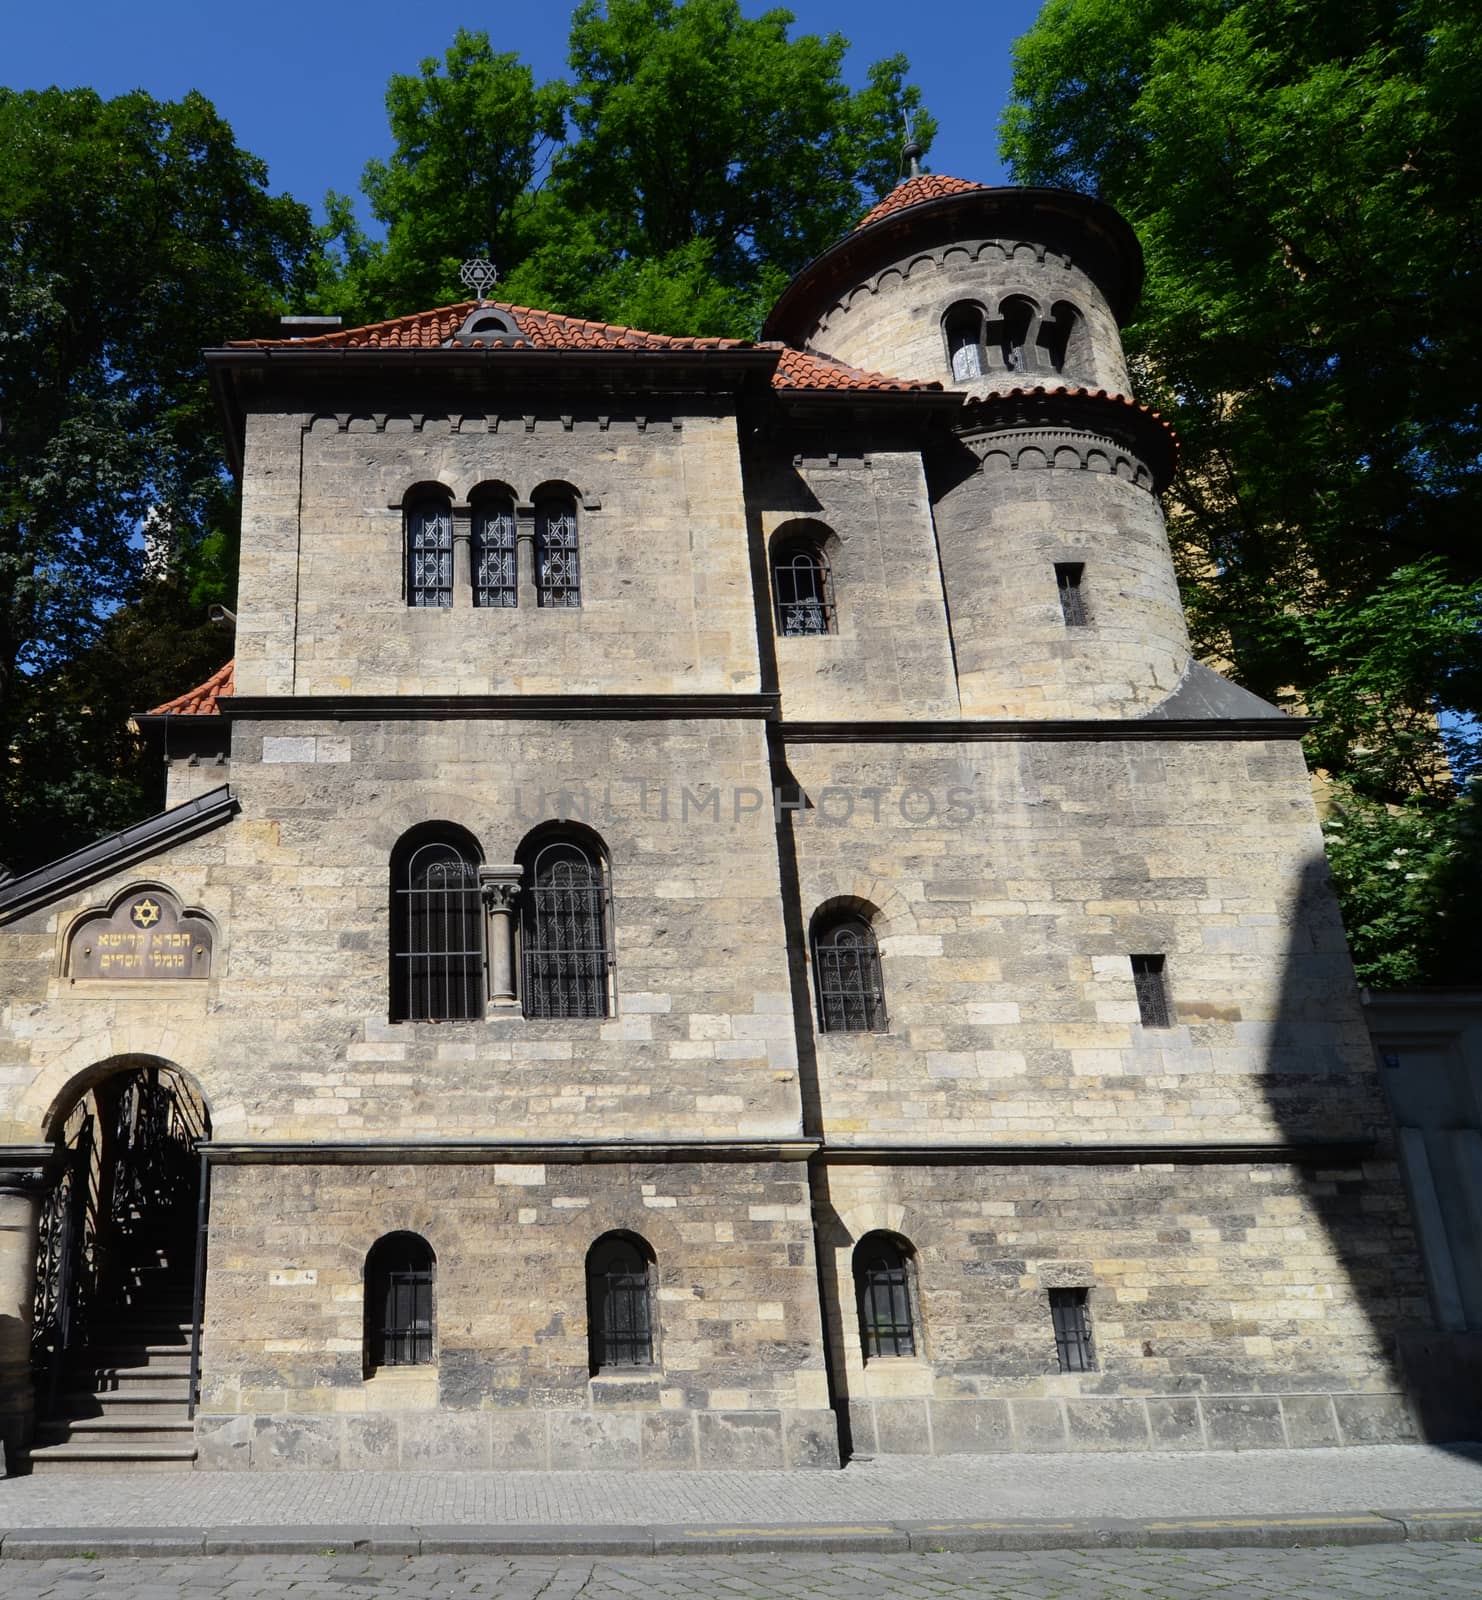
566, 953
429, 553
803, 587
1013, 334
1056, 333
398, 1302
846, 968
557, 557
964, 328
437, 928
495, 576
884, 1291
620, 1295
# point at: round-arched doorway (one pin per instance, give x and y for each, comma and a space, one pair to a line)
116, 1270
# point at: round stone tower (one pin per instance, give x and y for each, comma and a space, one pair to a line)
1055, 562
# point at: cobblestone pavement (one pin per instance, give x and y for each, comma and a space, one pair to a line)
888, 1489
1395, 1572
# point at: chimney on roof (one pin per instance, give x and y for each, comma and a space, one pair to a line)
307, 327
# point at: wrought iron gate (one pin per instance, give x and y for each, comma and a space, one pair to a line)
110, 1194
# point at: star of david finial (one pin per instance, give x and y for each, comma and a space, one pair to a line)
479, 274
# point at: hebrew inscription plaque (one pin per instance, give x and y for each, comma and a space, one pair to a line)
144, 936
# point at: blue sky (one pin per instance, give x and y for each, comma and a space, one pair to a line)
303, 86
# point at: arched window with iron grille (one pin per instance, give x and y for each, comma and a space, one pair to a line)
429, 553
495, 574
398, 1302
846, 970
437, 928
557, 552
565, 928
620, 1299
883, 1270
803, 586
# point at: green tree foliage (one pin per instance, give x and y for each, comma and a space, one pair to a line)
697, 160
1306, 180
132, 233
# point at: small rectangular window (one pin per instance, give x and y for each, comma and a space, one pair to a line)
1072, 596
1071, 1316
1150, 978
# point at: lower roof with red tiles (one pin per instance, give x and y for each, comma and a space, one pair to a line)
549, 330
204, 700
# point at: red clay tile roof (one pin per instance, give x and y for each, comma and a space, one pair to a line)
202, 700
549, 330
807, 369
543, 330
1089, 394
927, 186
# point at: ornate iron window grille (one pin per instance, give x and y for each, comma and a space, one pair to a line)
564, 934
430, 556
851, 994
805, 595
1072, 597
883, 1283
495, 573
1150, 979
400, 1297
557, 556
619, 1307
439, 959
1071, 1317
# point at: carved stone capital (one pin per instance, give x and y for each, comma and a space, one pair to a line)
500, 886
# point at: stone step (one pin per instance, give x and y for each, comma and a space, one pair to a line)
90, 1378
112, 1458
165, 1400
123, 1432
131, 1356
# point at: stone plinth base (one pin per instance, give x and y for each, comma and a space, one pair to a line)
528, 1441
1154, 1422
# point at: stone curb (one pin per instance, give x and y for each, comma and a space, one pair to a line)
877, 1538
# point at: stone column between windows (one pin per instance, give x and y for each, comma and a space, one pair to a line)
500, 886
20, 1209
525, 551
462, 557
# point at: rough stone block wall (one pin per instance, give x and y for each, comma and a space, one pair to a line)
290, 1039
1011, 882
1232, 1306
892, 320
738, 1378
1002, 529
891, 656
665, 587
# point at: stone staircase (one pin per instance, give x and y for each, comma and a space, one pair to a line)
124, 1398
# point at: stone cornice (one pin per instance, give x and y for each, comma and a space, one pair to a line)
495, 707
503, 1152
1304, 1151
1030, 731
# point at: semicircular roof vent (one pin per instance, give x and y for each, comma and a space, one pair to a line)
488, 325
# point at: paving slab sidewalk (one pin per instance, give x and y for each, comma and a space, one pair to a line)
1381, 1494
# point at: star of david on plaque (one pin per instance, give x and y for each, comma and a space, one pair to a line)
144, 913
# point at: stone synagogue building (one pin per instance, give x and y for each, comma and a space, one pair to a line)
712, 920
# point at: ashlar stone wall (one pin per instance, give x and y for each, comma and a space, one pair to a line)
737, 1379
1234, 1305
1010, 881
891, 655
290, 1036
665, 586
